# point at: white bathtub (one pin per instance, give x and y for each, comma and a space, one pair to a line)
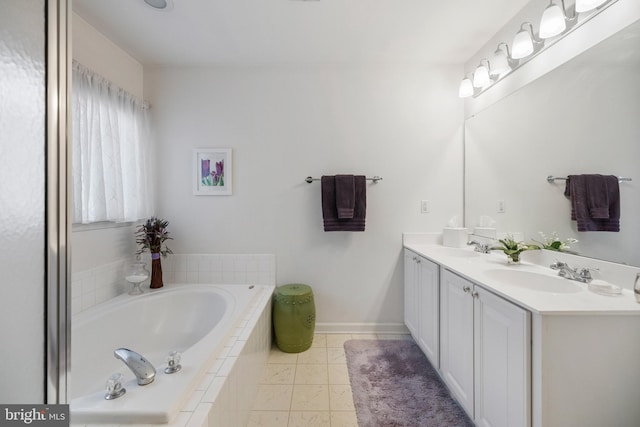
192, 319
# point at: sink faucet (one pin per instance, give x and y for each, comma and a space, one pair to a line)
484, 248
584, 275
143, 370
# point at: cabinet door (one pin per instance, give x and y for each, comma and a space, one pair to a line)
411, 292
456, 337
502, 362
428, 313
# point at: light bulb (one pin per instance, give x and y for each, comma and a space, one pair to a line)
522, 45
466, 88
499, 63
481, 77
587, 5
552, 22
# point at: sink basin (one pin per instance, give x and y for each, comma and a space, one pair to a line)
535, 281
457, 252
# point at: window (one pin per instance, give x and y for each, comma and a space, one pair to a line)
111, 151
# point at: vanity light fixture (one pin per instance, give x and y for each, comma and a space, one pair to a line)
481, 76
524, 42
554, 25
554, 20
500, 61
587, 5
466, 88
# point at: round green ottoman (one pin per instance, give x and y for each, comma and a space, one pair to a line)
294, 317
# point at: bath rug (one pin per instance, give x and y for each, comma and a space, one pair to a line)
394, 385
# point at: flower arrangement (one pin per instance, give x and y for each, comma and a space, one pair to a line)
513, 248
152, 235
553, 242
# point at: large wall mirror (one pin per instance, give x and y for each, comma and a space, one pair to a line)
581, 118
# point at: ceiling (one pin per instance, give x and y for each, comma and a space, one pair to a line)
221, 32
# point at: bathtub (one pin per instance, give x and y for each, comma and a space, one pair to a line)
195, 320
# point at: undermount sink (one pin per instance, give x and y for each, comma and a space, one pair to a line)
457, 252
535, 281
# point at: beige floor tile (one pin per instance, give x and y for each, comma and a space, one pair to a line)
344, 419
394, 337
338, 374
278, 356
310, 397
336, 355
315, 355
319, 340
341, 398
337, 340
309, 419
278, 373
364, 336
268, 419
312, 374
273, 397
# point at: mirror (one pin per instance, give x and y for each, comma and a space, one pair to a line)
581, 118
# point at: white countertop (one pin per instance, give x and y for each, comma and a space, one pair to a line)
481, 268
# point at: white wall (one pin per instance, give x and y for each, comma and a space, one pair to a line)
93, 50
91, 247
287, 122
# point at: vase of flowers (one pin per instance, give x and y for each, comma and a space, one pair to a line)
513, 248
152, 236
553, 243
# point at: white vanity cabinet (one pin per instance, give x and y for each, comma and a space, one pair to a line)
485, 348
421, 303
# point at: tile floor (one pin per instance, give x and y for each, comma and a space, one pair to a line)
308, 389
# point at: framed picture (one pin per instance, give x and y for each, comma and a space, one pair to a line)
212, 172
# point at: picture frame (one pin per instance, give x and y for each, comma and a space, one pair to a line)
212, 172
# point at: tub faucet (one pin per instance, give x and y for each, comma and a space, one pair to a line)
143, 370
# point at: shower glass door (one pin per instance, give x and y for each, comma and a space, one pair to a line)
30, 273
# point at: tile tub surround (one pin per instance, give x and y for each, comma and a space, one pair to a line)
97, 285
310, 388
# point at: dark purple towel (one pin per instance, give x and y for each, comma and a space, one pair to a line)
595, 202
329, 207
345, 196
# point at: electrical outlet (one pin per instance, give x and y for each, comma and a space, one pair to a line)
425, 206
500, 206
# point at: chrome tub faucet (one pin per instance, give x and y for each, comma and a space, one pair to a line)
143, 370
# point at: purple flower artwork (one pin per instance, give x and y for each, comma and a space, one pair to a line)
213, 171
212, 178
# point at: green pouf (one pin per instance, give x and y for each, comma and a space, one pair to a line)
294, 317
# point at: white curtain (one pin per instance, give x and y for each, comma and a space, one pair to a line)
111, 151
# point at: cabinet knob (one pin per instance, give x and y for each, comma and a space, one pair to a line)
418, 261
475, 294
466, 289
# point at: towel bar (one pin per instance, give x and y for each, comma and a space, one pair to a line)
551, 179
375, 179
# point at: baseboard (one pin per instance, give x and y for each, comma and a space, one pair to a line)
361, 328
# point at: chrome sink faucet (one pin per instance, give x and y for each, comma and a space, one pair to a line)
583, 275
143, 370
483, 248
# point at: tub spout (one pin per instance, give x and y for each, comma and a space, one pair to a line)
143, 370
